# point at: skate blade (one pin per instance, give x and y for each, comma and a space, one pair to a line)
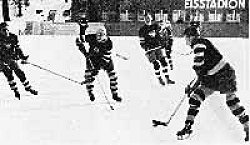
156, 123
183, 137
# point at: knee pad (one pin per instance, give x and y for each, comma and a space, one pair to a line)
238, 111
190, 122
200, 93
232, 102
244, 119
168, 55
194, 102
89, 87
193, 112
164, 62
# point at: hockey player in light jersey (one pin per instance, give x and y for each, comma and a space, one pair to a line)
98, 57
10, 53
165, 32
150, 42
213, 74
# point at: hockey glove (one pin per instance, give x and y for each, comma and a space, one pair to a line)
24, 62
79, 42
24, 58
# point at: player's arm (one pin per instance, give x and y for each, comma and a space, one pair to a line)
142, 39
199, 60
106, 50
17, 51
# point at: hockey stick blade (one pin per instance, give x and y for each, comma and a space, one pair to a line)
156, 123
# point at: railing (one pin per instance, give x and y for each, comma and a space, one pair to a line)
209, 29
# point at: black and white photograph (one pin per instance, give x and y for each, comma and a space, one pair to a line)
124, 72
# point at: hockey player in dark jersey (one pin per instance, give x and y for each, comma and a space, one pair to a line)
10, 53
151, 43
165, 32
98, 57
213, 74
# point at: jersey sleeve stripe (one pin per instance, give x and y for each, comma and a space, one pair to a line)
199, 54
198, 64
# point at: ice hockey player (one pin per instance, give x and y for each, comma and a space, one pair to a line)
165, 32
213, 74
150, 42
98, 57
10, 54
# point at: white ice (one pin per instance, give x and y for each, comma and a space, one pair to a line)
62, 113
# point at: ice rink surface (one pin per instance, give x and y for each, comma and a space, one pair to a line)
63, 115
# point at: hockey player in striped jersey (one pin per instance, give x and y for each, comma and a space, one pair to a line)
10, 53
213, 74
99, 57
150, 41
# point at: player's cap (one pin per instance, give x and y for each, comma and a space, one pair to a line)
101, 30
3, 25
191, 31
83, 21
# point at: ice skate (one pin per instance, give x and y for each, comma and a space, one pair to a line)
32, 91
117, 98
169, 81
161, 81
17, 94
246, 129
91, 96
184, 133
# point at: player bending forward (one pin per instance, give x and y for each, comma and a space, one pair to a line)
10, 52
98, 57
150, 41
213, 74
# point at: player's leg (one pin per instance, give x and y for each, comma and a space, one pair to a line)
238, 110
113, 81
10, 78
153, 60
170, 61
21, 75
90, 74
198, 96
227, 85
163, 61
157, 67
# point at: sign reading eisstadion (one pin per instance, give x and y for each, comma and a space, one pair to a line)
215, 4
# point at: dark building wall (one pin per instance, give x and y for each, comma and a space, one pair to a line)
208, 29
211, 29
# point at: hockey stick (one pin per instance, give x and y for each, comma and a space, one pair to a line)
154, 49
54, 73
121, 56
156, 122
194, 86
183, 54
